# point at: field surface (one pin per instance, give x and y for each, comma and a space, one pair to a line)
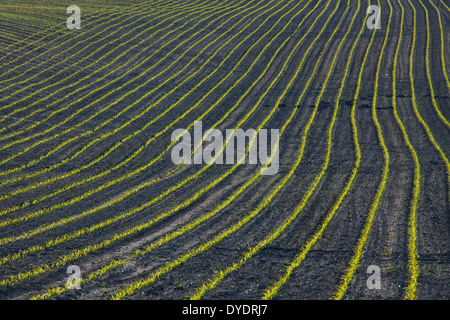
86, 175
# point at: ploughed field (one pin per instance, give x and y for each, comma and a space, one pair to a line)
87, 179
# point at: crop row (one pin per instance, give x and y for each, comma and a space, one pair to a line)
284, 73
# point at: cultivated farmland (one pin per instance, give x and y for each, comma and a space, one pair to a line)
87, 178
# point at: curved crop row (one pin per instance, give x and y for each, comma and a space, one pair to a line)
154, 137
441, 28
47, 33
413, 265
122, 111
157, 15
5, 240
272, 290
91, 74
414, 101
69, 118
446, 6
130, 231
94, 44
105, 190
121, 14
207, 286
359, 249
131, 288
427, 64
